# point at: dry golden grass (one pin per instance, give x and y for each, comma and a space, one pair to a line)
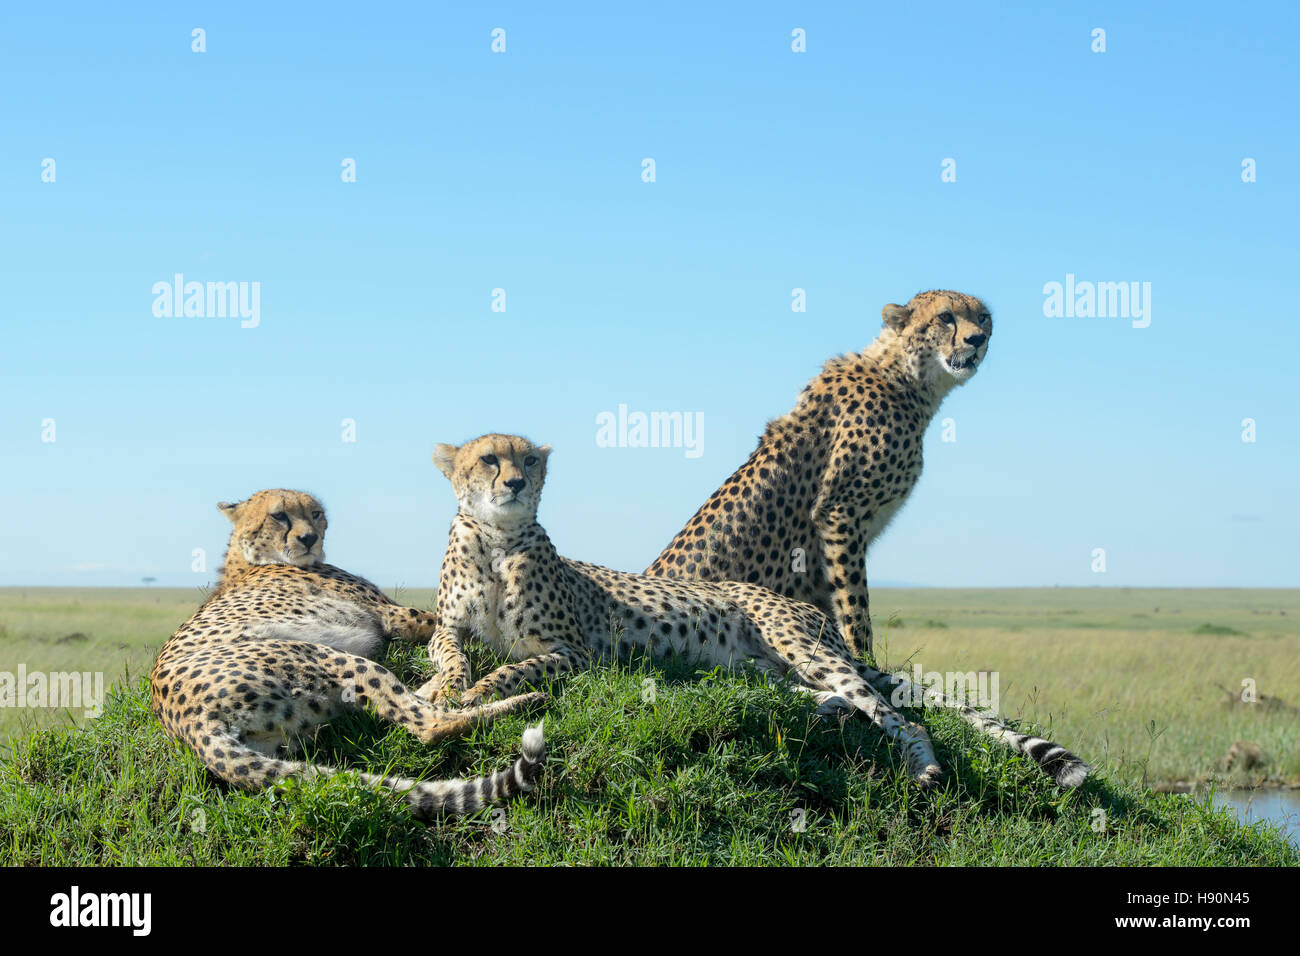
1136, 679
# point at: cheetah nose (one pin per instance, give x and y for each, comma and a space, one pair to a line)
515, 484
976, 340
308, 539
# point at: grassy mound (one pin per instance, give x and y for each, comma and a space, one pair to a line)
646, 765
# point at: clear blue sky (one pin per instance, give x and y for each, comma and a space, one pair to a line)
522, 171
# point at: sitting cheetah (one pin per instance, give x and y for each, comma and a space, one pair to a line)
285, 643
827, 477
503, 583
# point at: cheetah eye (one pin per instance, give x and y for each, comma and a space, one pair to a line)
947, 318
315, 515
984, 318
281, 516
530, 461
489, 459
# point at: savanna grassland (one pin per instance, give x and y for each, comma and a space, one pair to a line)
710, 767
1147, 682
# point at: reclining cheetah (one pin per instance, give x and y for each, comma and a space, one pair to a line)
503, 583
286, 643
827, 477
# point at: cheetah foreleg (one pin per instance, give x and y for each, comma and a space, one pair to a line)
845, 566
506, 680
447, 653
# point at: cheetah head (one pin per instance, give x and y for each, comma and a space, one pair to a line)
278, 527
944, 335
497, 478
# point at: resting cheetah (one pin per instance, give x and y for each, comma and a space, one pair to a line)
827, 477
287, 643
503, 583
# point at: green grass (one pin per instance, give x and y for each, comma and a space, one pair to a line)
1217, 629
109, 630
710, 772
1132, 678
715, 771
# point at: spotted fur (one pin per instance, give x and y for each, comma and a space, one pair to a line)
502, 582
828, 476
286, 643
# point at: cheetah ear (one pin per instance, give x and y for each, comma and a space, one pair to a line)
895, 316
544, 451
444, 456
231, 511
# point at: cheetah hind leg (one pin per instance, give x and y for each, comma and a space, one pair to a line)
429, 722
359, 683
305, 686
1054, 760
922, 764
834, 685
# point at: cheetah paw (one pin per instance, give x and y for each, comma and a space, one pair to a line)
830, 704
929, 777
